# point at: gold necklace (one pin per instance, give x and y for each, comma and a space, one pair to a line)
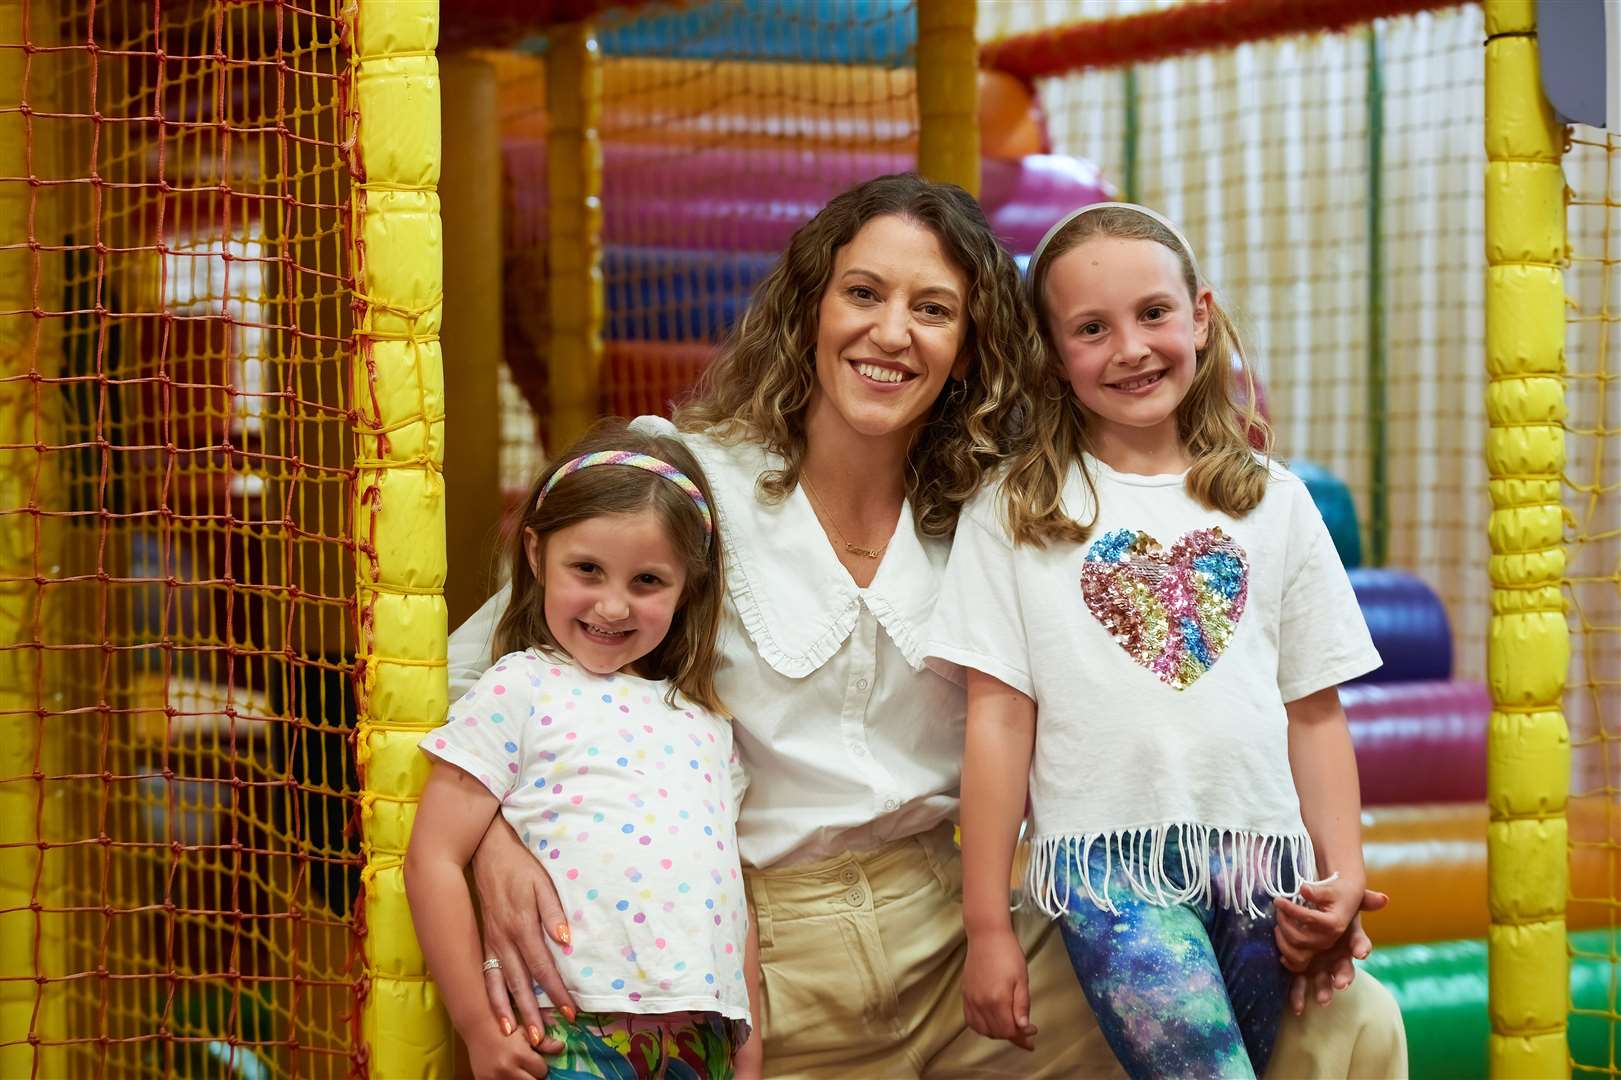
865, 553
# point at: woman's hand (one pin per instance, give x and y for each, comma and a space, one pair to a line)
1332, 970
516, 898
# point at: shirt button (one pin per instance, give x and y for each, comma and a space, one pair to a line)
849, 876
861, 684
855, 896
858, 750
891, 804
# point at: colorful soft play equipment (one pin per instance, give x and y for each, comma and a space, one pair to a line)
1419, 742
1441, 988
687, 236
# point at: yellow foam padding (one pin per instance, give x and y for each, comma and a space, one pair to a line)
1528, 1006
1432, 862
1522, 125
1527, 763
740, 104
1528, 1057
399, 504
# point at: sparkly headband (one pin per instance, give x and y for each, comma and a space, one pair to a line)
1187, 249
636, 461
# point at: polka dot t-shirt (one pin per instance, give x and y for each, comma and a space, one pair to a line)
631, 806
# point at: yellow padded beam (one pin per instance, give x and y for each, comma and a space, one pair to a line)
1528, 650
397, 393
574, 247
948, 92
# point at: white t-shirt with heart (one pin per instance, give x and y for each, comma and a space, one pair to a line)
1160, 654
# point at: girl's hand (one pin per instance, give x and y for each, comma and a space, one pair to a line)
1302, 931
516, 898
504, 1057
996, 988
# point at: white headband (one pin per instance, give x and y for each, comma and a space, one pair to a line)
1155, 215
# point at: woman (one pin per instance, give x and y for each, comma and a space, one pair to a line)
875, 380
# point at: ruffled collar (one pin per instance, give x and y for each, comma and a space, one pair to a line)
795, 599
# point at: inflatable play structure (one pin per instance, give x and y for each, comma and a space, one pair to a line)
263, 268
686, 237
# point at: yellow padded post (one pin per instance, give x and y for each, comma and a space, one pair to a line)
948, 92
574, 246
1528, 649
397, 393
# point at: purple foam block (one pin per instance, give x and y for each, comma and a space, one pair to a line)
1408, 624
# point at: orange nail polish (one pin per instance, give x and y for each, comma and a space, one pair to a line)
534, 1036
568, 1011
506, 1026
563, 934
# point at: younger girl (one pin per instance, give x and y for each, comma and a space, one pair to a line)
600, 739
1171, 608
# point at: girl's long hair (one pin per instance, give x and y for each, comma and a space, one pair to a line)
687, 656
760, 385
1213, 420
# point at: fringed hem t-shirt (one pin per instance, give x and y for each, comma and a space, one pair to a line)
1160, 654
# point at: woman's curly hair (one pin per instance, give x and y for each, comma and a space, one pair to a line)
760, 385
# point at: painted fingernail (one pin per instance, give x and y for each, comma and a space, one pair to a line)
506, 1026
563, 934
534, 1035
568, 1011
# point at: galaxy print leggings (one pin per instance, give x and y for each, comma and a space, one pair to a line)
1186, 990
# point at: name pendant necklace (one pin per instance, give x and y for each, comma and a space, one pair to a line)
838, 534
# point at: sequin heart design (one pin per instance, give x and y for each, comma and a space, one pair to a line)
1173, 613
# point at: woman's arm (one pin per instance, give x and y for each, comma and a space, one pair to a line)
995, 778
452, 816
516, 899
1324, 766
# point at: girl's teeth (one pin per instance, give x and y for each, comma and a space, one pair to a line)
879, 374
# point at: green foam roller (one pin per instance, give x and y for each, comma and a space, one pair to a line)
1334, 502
1441, 988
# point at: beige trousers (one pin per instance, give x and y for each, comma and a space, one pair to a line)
863, 960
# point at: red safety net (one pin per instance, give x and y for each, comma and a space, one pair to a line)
179, 851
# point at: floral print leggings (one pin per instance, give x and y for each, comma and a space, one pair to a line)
628, 1046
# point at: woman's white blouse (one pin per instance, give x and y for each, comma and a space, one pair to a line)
848, 739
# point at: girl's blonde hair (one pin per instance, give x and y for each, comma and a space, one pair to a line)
1213, 426
760, 385
687, 656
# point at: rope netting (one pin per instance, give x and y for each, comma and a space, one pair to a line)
179, 849
723, 127
1592, 496
1332, 185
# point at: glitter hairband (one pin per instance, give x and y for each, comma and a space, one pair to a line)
635, 461
1154, 215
